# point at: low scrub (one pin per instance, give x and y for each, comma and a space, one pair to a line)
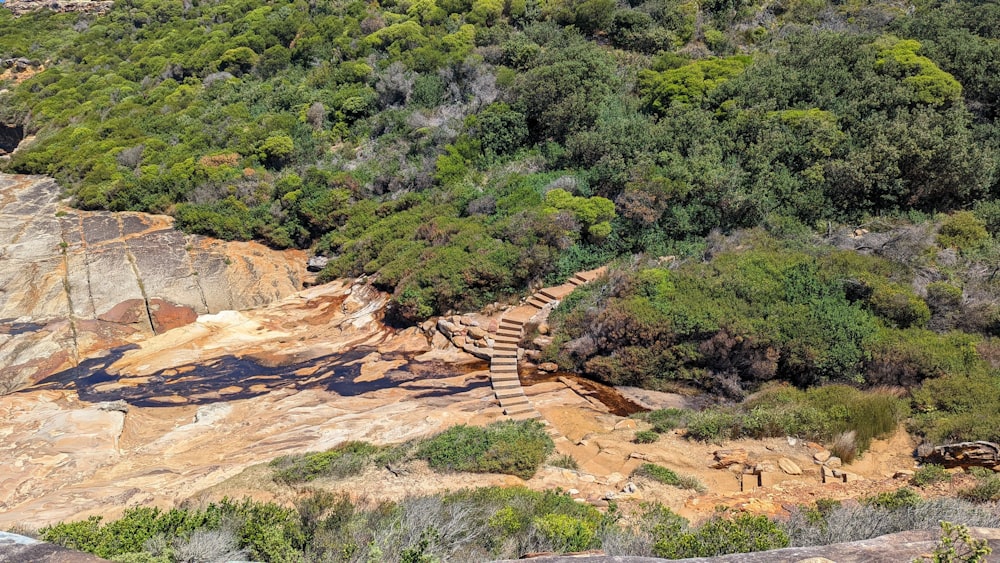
850, 416
884, 514
986, 489
668, 477
514, 448
930, 474
344, 460
663, 420
645, 437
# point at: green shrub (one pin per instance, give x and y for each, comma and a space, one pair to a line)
515, 448
663, 420
986, 489
962, 230
645, 437
565, 532
345, 460
713, 425
743, 534
565, 461
668, 477
892, 500
930, 474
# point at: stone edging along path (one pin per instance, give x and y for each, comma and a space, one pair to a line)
503, 365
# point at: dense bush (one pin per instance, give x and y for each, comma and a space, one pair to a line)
419, 142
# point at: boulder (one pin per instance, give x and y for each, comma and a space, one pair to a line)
476, 333
728, 458
317, 263
543, 328
789, 466
834, 461
548, 367
822, 456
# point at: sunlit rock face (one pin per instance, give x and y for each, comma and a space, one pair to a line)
21, 7
75, 283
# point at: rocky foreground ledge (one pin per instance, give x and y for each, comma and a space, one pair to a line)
891, 548
73, 283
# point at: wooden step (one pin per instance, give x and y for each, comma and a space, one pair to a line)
580, 278
575, 282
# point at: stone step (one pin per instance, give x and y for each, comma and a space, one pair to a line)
508, 384
509, 322
536, 303
547, 295
520, 410
526, 415
503, 370
580, 278
503, 362
505, 379
508, 337
505, 354
514, 401
508, 394
504, 345
575, 282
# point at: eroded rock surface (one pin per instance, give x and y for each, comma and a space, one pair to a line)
157, 421
74, 283
21, 7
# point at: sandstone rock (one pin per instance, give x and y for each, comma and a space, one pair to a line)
440, 341
533, 355
728, 458
903, 474
789, 466
625, 424
814, 446
822, 456
543, 328
476, 333
548, 367
629, 488
541, 342
834, 461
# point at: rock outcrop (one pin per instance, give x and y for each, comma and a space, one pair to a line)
21, 7
76, 283
892, 548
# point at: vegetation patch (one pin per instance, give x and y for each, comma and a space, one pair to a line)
515, 448
667, 476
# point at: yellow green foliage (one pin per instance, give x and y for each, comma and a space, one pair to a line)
928, 83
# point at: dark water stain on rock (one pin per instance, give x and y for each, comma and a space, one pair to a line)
617, 403
232, 377
14, 328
